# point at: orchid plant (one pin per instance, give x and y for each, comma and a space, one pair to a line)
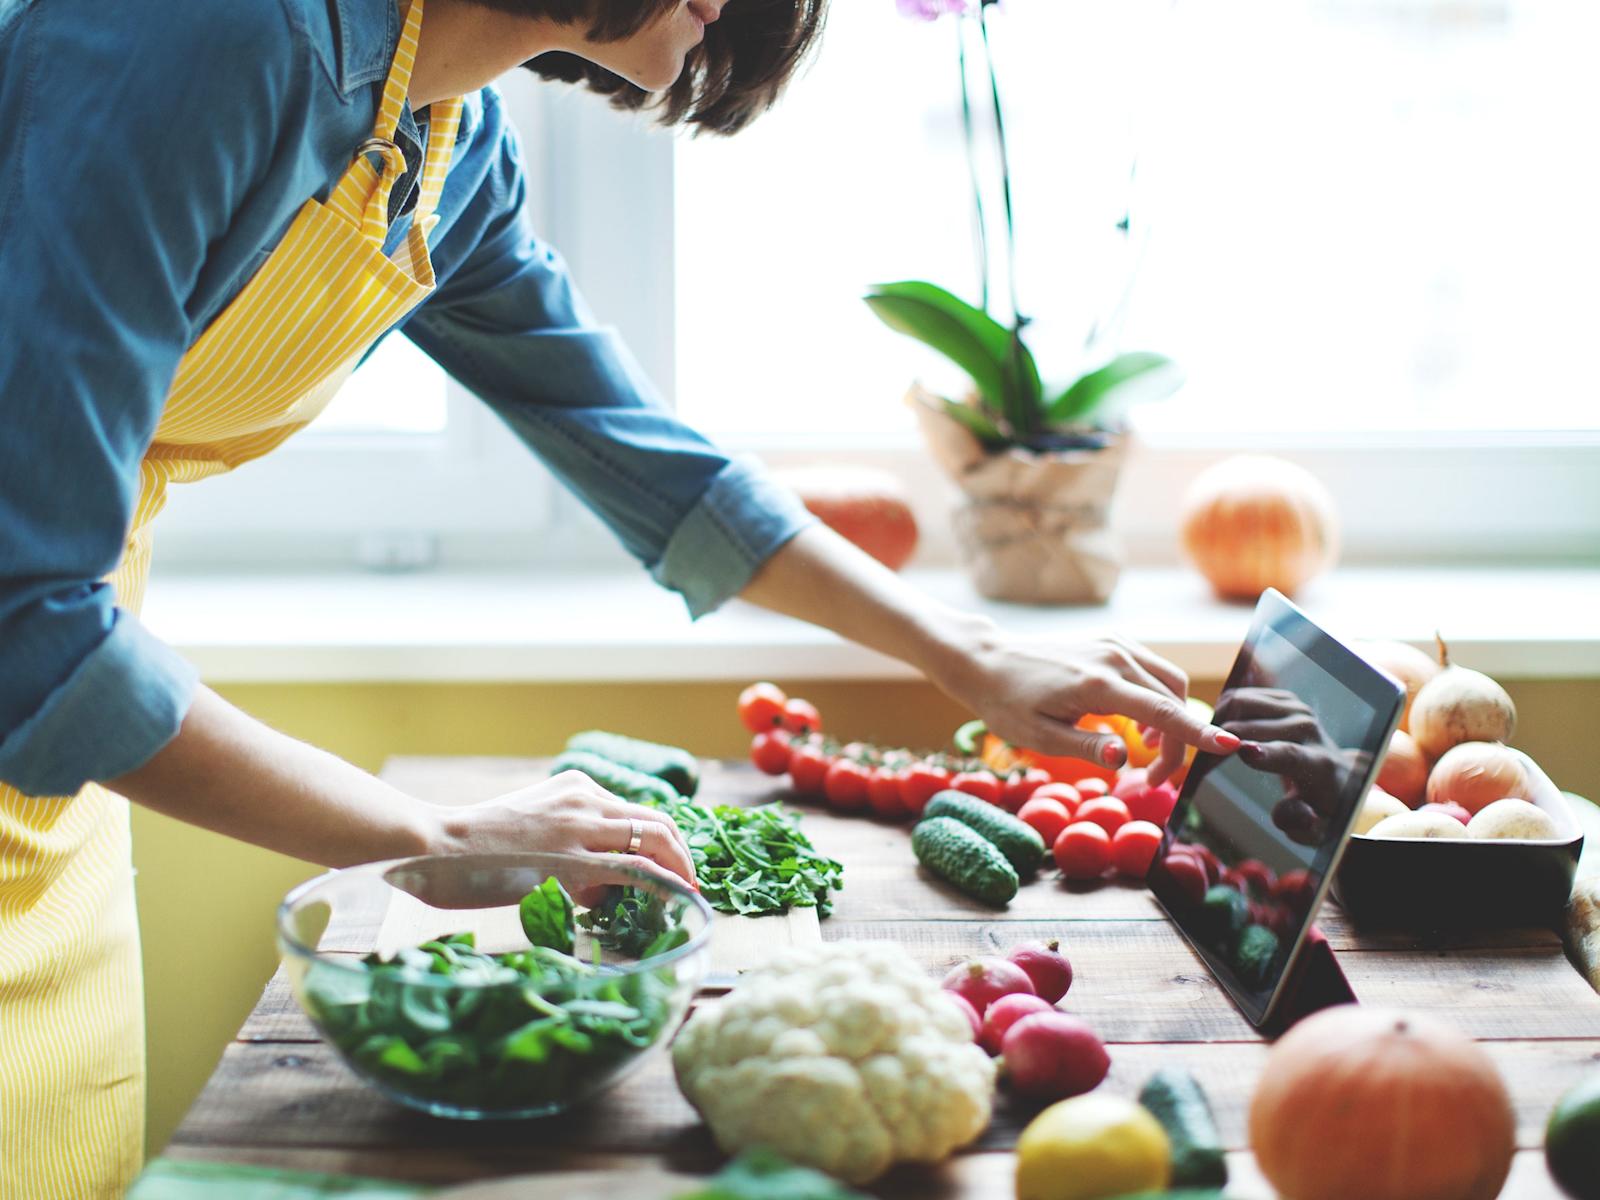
1011, 405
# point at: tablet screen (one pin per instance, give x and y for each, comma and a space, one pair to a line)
1262, 828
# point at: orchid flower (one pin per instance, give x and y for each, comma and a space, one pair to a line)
932, 10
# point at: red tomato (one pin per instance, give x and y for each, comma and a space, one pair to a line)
808, 768
770, 751
1046, 817
801, 716
1083, 850
919, 782
1065, 794
1133, 848
1092, 786
761, 706
1186, 874
1019, 787
1258, 875
1294, 890
845, 785
1153, 804
981, 784
1212, 864
883, 793
1107, 812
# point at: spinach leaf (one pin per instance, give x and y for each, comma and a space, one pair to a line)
546, 914
762, 1175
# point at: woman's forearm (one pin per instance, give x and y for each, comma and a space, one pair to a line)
229, 773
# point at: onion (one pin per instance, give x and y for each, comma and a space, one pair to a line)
1404, 774
1406, 663
1476, 774
1460, 705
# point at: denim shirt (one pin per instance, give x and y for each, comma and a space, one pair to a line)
152, 154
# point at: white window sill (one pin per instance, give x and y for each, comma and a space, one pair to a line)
1523, 623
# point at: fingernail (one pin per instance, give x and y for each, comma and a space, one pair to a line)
1228, 741
1111, 754
1250, 752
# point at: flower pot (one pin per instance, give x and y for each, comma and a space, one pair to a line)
1032, 527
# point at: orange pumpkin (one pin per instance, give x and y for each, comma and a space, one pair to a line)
1381, 1105
1252, 522
863, 505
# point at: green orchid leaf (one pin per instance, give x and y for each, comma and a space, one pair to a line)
546, 914
1003, 370
1093, 394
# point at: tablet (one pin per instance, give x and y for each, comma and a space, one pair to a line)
1256, 835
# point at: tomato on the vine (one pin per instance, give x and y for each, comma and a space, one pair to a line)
883, 792
808, 768
801, 716
919, 782
1063, 793
981, 784
761, 706
845, 785
1019, 787
770, 751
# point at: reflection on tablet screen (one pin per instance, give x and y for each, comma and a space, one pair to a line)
1255, 833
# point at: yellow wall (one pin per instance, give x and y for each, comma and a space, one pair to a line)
206, 903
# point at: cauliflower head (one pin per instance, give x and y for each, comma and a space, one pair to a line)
843, 1056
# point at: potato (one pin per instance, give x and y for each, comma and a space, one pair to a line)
1418, 825
1514, 819
1378, 805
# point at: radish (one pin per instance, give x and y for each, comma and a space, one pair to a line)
1050, 1056
1006, 1012
1047, 968
982, 981
967, 1011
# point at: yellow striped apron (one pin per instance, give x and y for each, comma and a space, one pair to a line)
71, 1004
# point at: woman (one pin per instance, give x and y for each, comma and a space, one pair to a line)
209, 212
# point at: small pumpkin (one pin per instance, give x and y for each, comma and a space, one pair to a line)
1251, 522
1382, 1105
863, 505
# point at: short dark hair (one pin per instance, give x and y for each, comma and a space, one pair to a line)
748, 56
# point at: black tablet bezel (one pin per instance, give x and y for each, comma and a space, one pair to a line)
1383, 695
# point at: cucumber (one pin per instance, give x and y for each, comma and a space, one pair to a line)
1225, 912
1176, 1100
963, 856
678, 767
616, 778
1019, 842
1253, 956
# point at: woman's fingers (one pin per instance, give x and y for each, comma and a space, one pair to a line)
1171, 717
1061, 737
1169, 758
654, 843
1171, 675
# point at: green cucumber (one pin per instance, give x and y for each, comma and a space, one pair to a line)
966, 858
1253, 956
678, 767
1019, 842
1176, 1100
616, 778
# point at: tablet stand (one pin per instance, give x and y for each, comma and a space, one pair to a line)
1316, 983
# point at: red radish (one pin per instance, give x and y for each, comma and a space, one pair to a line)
1130, 782
1046, 966
1153, 804
967, 1011
1050, 1056
1450, 809
982, 981
1108, 812
1046, 816
1006, 1012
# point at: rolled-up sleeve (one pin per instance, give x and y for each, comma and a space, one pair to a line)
510, 325
105, 219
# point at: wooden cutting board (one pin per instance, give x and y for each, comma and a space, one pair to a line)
737, 943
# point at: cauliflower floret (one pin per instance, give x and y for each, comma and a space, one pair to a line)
844, 1056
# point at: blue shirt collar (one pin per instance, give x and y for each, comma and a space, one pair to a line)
367, 33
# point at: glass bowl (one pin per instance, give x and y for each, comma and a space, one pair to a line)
419, 973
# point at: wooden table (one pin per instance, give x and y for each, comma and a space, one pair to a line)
281, 1097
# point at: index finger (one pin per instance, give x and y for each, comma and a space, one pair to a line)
1172, 718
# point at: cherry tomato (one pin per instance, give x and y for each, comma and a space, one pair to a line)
919, 782
1153, 804
1083, 850
761, 706
1258, 876
1134, 846
1186, 875
1046, 817
981, 784
845, 785
1092, 786
770, 751
801, 716
1065, 794
1295, 889
1019, 787
1107, 812
808, 768
1208, 860
883, 793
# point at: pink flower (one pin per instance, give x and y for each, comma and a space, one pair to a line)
932, 10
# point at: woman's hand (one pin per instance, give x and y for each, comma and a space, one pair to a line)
1034, 696
571, 814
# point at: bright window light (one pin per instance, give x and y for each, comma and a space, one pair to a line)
399, 390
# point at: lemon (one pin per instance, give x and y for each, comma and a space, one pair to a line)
1091, 1147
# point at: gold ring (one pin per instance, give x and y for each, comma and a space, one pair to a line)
636, 836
